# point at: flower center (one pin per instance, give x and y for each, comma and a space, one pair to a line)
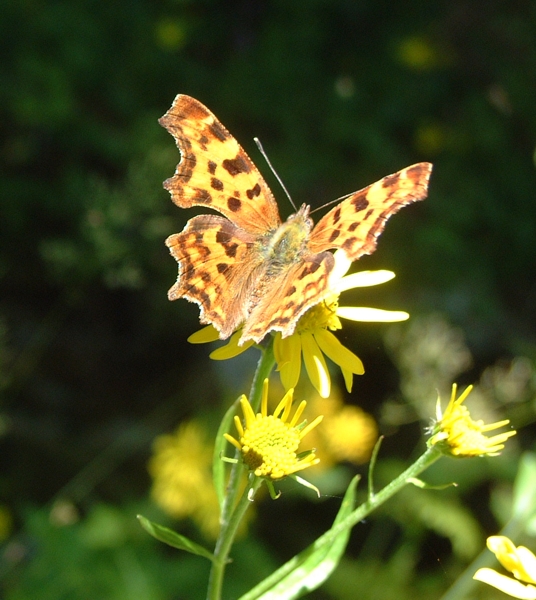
321, 316
269, 447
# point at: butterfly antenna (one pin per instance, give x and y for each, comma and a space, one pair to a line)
331, 202
261, 149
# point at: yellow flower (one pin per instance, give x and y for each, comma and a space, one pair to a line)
269, 443
182, 480
457, 434
348, 433
313, 337
520, 561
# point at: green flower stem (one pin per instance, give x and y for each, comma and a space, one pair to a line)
234, 509
428, 458
225, 541
264, 368
421, 464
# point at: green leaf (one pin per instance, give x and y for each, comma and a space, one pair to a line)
220, 444
311, 567
427, 486
172, 538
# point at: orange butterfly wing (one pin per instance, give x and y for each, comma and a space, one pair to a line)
215, 171
355, 224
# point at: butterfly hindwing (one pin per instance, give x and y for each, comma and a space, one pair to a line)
301, 286
216, 262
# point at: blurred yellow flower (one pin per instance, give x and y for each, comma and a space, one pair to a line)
418, 53
457, 434
520, 561
269, 443
348, 433
313, 337
181, 468
170, 34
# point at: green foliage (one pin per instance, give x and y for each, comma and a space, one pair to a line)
106, 555
172, 538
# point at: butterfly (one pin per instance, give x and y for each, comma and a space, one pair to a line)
244, 267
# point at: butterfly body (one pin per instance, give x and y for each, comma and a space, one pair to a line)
244, 267
288, 243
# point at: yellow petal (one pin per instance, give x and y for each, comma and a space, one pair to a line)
288, 354
207, 334
348, 378
231, 349
249, 415
315, 365
520, 561
509, 586
278, 349
339, 354
364, 279
527, 568
342, 264
364, 313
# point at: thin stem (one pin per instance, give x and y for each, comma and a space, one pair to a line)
374, 501
234, 509
264, 368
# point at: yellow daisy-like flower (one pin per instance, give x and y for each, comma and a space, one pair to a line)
182, 479
457, 434
348, 433
269, 443
520, 561
313, 338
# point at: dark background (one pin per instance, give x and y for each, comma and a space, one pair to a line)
94, 361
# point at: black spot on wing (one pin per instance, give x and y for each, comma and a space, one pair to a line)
202, 196
348, 244
390, 180
235, 166
253, 192
336, 215
218, 131
360, 203
216, 184
229, 247
234, 204
334, 235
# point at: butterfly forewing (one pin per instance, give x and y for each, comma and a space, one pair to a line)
355, 224
214, 170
